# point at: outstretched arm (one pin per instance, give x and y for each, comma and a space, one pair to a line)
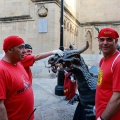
3, 113
46, 54
42, 55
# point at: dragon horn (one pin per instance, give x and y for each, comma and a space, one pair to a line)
79, 51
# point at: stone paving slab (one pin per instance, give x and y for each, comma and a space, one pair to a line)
50, 106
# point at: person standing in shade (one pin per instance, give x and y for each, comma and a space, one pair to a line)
28, 49
30, 58
107, 101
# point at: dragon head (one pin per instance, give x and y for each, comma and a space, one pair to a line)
71, 58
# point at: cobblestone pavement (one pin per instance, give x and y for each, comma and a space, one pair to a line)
48, 105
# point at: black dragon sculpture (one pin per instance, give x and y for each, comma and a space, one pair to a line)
73, 62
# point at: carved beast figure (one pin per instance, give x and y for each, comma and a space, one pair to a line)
73, 62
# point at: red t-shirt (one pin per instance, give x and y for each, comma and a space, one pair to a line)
108, 82
27, 62
69, 86
16, 91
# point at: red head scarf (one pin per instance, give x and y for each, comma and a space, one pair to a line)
108, 32
12, 41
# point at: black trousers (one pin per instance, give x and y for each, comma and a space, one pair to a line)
80, 113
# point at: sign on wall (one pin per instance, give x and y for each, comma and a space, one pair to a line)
42, 25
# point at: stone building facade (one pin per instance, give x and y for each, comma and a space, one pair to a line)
38, 23
26, 19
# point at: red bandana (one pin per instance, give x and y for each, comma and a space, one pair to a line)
12, 41
108, 32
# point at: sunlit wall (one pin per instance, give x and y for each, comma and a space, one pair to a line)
72, 5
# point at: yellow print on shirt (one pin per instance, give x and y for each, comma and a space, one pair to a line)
100, 77
66, 90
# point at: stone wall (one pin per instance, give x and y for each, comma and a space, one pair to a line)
97, 14
99, 10
22, 19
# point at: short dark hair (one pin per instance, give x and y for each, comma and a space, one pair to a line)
27, 46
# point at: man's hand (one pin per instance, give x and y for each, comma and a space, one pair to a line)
59, 52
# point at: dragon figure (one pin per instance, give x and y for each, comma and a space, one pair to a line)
86, 82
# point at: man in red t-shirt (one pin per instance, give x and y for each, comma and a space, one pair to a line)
16, 94
29, 58
107, 101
